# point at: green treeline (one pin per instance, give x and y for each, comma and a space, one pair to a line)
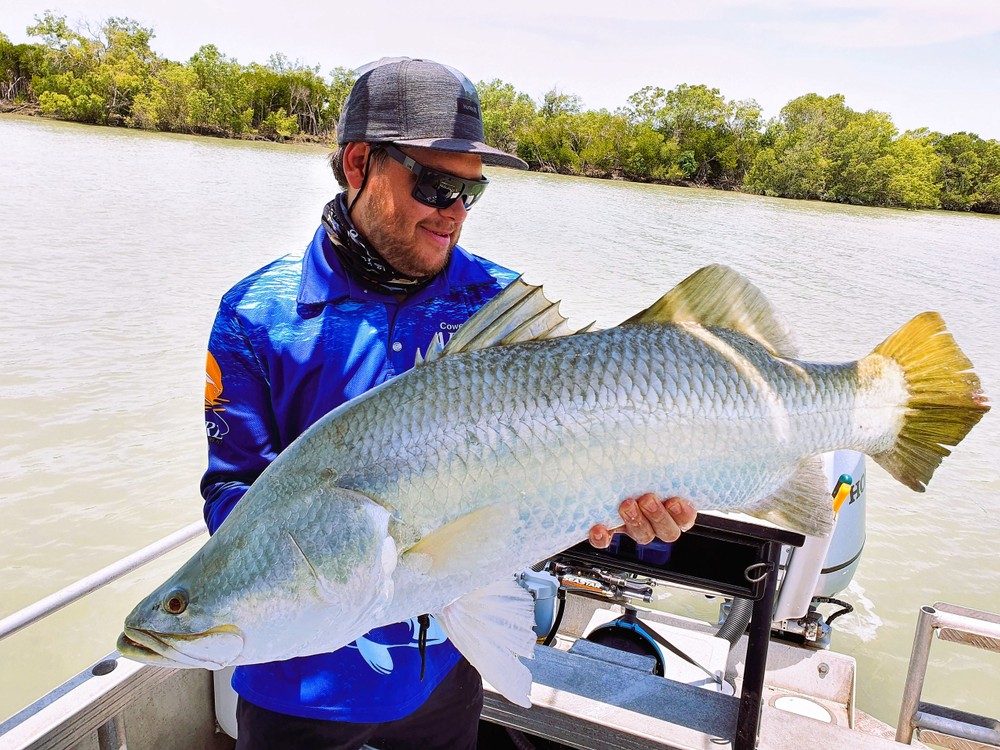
112, 77
817, 148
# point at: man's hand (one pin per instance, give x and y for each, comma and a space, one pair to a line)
648, 517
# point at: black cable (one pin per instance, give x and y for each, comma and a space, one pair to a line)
425, 623
561, 596
847, 608
519, 739
631, 616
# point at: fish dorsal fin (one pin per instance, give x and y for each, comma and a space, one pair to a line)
521, 312
492, 627
718, 296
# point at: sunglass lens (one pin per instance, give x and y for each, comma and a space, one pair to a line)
472, 194
441, 192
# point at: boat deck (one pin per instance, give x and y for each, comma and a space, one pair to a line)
598, 700
584, 694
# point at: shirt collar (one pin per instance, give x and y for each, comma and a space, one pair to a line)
324, 280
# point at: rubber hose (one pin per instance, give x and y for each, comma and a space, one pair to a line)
736, 621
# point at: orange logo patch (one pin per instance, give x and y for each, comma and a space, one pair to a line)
215, 424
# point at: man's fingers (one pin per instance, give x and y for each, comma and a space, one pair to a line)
600, 536
646, 518
682, 512
667, 517
637, 525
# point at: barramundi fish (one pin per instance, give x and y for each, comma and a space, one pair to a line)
428, 493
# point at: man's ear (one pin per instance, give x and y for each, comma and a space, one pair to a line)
355, 157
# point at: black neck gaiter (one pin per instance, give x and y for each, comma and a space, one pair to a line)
361, 260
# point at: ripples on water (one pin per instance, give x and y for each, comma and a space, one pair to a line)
117, 245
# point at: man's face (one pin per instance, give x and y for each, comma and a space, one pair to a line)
416, 239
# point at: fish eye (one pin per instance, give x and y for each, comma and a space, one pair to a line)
175, 602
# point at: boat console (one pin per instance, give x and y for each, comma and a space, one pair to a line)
720, 555
772, 580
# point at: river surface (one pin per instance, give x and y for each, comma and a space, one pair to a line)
116, 246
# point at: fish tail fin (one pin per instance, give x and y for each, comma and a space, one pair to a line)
945, 398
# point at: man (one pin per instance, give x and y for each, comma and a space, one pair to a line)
382, 275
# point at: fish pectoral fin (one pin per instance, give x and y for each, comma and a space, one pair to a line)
803, 504
492, 627
718, 296
464, 543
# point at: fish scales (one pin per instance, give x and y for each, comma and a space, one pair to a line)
426, 493
579, 412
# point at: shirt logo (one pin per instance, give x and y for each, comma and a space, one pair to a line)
377, 655
215, 424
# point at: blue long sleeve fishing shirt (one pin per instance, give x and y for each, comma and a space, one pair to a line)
291, 342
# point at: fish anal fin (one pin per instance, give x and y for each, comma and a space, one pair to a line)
718, 296
803, 503
492, 627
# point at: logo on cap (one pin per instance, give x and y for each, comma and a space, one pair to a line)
468, 107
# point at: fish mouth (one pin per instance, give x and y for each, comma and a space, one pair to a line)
212, 649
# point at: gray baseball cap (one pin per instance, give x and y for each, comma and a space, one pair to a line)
421, 103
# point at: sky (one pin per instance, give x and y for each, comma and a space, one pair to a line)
928, 63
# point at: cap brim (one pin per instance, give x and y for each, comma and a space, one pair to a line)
490, 155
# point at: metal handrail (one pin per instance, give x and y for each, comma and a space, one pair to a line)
54, 602
962, 625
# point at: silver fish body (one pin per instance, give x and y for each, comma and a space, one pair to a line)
429, 492
562, 431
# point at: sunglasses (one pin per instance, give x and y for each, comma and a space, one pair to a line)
439, 189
